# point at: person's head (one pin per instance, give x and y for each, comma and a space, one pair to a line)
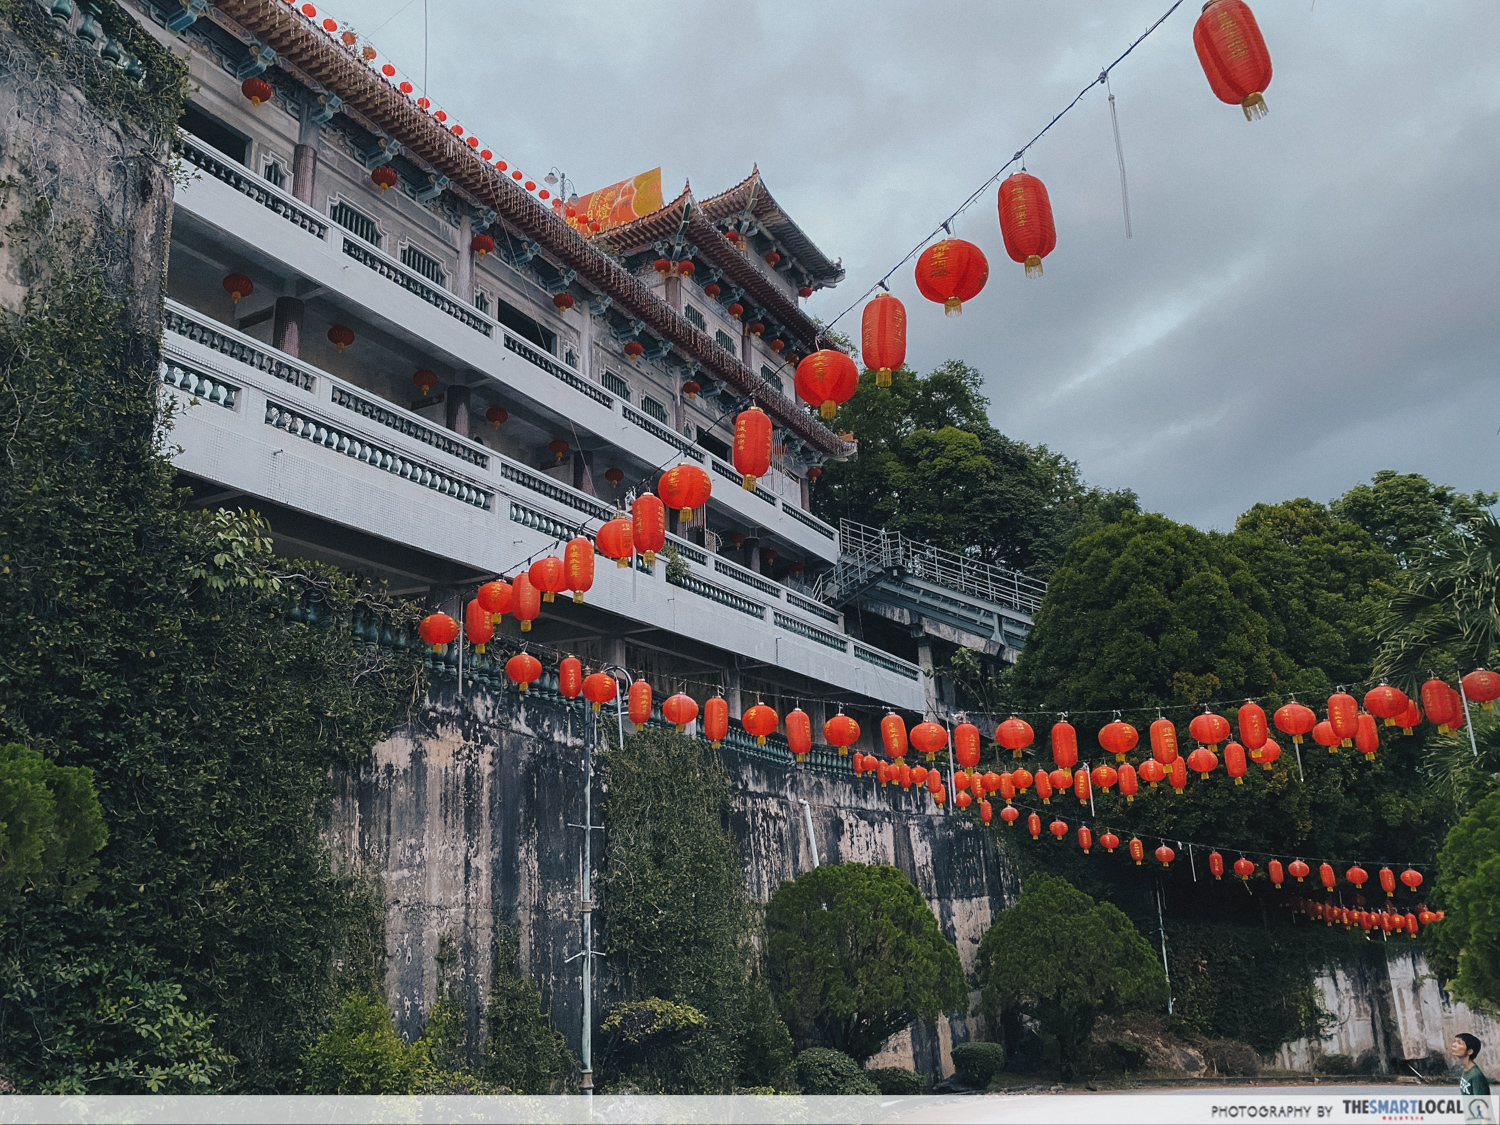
1466, 1046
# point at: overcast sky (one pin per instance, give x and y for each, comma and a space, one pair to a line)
1306, 299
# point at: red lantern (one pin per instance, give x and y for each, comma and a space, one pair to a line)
569, 677
1386, 702
599, 689
841, 731
482, 244
1006, 788
1034, 826
1163, 742
951, 272
549, 576
1081, 786
923, 776
497, 416
1268, 754
1166, 855
1128, 785
805, 292
772, 258
1482, 687
663, 266
735, 309
798, 733
1021, 779
1244, 869
1234, 762
523, 669
883, 337
340, 337
477, 625
1356, 875
1104, 777
1209, 729
777, 346
495, 597
752, 446
715, 720
437, 629
963, 800
1203, 761
1274, 870
712, 291
1325, 873
1411, 925
616, 541
1109, 842
1253, 727
1367, 737
1343, 716
648, 527
992, 781
1043, 787
257, 89
563, 302
1295, 720
1177, 776
1137, 851
525, 601
1119, 739
757, 328
638, 703
558, 447
893, 735
1015, 735
902, 773
1026, 221
760, 721
614, 474
1010, 814
1298, 869
686, 269
238, 286
1412, 878
1064, 745
986, 813
684, 487
1233, 55
929, 738
857, 763
425, 380
814, 473
826, 379
1216, 864
1435, 703
1324, 735
1062, 780
1059, 829
1151, 771
578, 567
1085, 839
691, 388
633, 349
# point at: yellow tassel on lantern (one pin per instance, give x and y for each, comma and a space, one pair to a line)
747, 482
829, 408
883, 377
1034, 266
1254, 106
526, 626
953, 307
577, 597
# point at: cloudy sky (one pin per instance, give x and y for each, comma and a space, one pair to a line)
1306, 299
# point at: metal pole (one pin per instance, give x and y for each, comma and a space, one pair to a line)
811, 839
1162, 927
587, 1051
952, 792
1468, 716
462, 636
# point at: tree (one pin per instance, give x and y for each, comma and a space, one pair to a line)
855, 955
1064, 960
523, 1052
362, 1054
1405, 511
1465, 945
51, 825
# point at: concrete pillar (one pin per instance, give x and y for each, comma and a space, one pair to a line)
286, 329
304, 173
463, 284
929, 681
752, 554
456, 401
674, 292
613, 649
732, 693
583, 471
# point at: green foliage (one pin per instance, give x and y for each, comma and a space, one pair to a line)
1465, 945
977, 1063
362, 1054
821, 1070
896, 1080
51, 824
676, 920
523, 1052
1064, 959
855, 955
932, 466
654, 1041
1405, 512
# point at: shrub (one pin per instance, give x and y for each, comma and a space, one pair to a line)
1231, 1057
897, 1080
362, 1054
1127, 1055
523, 1052
977, 1063
1334, 1064
822, 1070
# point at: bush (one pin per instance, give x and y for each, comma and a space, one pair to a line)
1231, 1057
523, 1052
822, 1070
1334, 1064
977, 1063
362, 1054
653, 1043
897, 1080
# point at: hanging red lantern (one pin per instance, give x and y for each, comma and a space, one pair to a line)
1163, 742
1324, 735
638, 703
1253, 727
1081, 788
438, 629
1234, 762
482, 244
1409, 718
1062, 780
1298, 869
1137, 850
1244, 869
1109, 842
841, 731
648, 526
857, 763
1006, 788
1367, 737
1034, 826
1015, 735
752, 446
614, 474
1411, 878
1085, 839
1059, 829
826, 379
777, 346
712, 291
1166, 855
495, 597
257, 89
523, 669
1203, 761
1435, 703
951, 272
663, 266
1386, 702
893, 735
883, 337
686, 269
1216, 864
814, 473
1104, 777
992, 781
902, 773
735, 310
963, 800
1151, 772
1128, 784
1276, 874
578, 567
1209, 729
805, 292
691, 388
1233, 55
1357, 875
1482, 686
1064, 745
929, 738
1411, 925
715, 720
798, 733
558, 447
684, 487
920, 774
1296, 720
1268, 754
1457, 712
497, 416
986, 813
478, 627
1021, 779
238, 286
760, 721
1010, 814
425, 380
1119, 739
1043, 787
616, 541
563, 302
1026, 221
1325, 873
633, 349
757, 328
340, 336
1177, 776
549, 576
569, 677
525, 601
1343, 716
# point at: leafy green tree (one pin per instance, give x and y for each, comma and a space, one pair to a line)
855, 955
51, 825
652, 1042
523, 1052
1465, 945
1064, 960
1405, 511
823, 1071
362, 1054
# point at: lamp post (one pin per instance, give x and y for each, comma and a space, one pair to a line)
559, 179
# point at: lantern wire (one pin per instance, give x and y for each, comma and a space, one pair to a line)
1018, 158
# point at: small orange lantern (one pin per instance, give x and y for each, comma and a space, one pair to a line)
1216, 864
1386, 702
549, 576
523, 669
1151, 772
1166, 855
1034, 826
760, 721
1325, 873
525, 601
482, 244
1137, 851
1277, 875
684, 487
679, 710
478, 627
1367, 737
638, 703
1325, 735
1128, 784
1081, 788
437, 629
1059, 829
1044, 787
1481, 686
1244, 869
1177, 776
1343, 716
1298, 869
1411, 878
715, 720
883, 337
1234, 762
578, 567
616, 541
1268, 754
495, 597
752, 446
1085, 839
1203, 761
1104, 777
841, 731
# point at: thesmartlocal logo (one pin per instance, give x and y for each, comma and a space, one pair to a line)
1402, 1109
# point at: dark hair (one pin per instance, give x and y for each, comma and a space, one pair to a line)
1470, 1041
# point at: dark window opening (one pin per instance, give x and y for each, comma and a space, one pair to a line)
273, 172
694, 317
524, 326
718, 448
231, 142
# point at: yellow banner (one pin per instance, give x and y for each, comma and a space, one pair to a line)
616, 205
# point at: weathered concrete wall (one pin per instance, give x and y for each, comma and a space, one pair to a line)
465, 813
